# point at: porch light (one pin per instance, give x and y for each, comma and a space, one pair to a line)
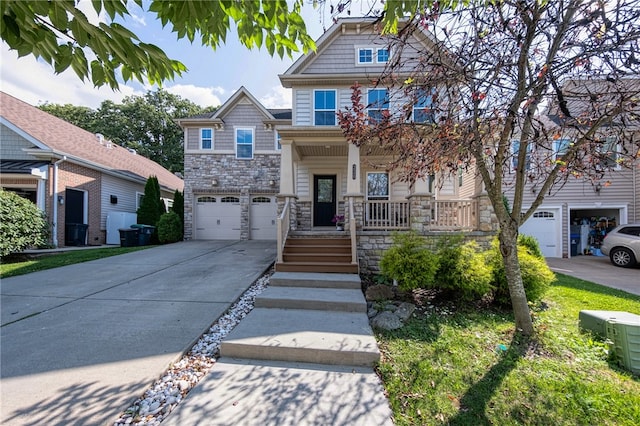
272, 182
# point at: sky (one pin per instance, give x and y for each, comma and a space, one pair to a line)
212, 76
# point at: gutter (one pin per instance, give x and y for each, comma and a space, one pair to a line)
54, 231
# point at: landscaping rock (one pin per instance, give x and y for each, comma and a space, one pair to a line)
392, 317
386, 321
405, 310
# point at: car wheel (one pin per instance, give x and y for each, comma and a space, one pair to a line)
622, 257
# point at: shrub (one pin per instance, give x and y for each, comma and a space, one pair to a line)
531, 244
22, 224
409, 262
152, 206
178, 208
169, 228
536, 275
462, 269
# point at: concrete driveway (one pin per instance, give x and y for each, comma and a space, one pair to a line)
598, 269
81, 342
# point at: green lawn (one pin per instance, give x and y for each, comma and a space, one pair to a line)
446, 366
18, 265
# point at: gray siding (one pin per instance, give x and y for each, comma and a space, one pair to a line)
126, 193
244, 115
12, 145
302, 107
193, 138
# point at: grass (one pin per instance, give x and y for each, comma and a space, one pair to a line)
464, 366
21, 264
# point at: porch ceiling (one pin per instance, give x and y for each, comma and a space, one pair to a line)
322, 150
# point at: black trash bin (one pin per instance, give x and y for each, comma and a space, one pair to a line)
128, 237
144, 233
75, 234
575, 243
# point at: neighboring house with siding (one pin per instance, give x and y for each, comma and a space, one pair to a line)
574, 218
74, 176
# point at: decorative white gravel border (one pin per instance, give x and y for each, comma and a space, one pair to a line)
167, 392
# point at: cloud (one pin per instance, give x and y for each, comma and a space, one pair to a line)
202, 96
278, 97
35, 82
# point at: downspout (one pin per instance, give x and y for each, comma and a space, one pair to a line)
54, 231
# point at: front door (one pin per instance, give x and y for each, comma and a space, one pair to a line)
324, 199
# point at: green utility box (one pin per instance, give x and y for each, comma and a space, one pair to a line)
596, 321
624, 342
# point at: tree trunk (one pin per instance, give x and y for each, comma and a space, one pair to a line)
509, 249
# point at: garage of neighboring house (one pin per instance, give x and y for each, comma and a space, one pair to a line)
217, 217
546, 226
589, 225
263, 211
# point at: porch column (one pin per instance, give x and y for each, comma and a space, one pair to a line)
354, 187
286, 168
420, 206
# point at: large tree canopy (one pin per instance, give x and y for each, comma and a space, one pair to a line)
60, 33
144, 123
501, 84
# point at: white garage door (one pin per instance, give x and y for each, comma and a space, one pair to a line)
217, 218
544, 225
264, 211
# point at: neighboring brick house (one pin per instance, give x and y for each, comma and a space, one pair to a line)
74, 176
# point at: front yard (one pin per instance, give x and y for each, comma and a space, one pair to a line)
461, 365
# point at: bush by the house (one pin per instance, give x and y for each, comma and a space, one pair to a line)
462, 269
178, 207
536, 275
22, 224
409, 262
531, 244
151, 206
169, 228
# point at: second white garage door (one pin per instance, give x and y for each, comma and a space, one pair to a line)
544, 225
263, 214
217, 218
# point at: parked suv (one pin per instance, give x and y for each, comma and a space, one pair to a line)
622, 245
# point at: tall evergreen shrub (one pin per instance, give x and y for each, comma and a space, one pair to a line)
22, 224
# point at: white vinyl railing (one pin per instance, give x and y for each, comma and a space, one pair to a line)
284, 223
388, 215
454, 215
352, 231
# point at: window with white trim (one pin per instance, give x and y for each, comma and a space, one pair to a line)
139, 198
206, 138
424, 106
561, 146
278, 143
372, 55
377, 186
515, 150
206, 199
377, 103
609, 149
324, 107
244, 143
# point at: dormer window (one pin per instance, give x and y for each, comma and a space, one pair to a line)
371, 55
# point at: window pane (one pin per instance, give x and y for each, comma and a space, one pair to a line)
325, 118
325, 99
325, 190
245, 151
365, 56
378, 186
562, 146
423, 108
378, 101
383, 55
244, 136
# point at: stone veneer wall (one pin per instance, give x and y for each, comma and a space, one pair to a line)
234, 177
371, 245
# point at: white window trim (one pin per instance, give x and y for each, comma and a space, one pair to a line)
556, 146
277, 139
139, 196
253, 141
617, 147
374, 55
378, 109
514, 155
335, 111
200, 130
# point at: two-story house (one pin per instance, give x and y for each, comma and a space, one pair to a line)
244, 155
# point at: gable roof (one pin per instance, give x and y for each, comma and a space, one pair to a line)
54, 138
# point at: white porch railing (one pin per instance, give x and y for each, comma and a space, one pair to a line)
454, 215
284, 223
383, 214
352, 231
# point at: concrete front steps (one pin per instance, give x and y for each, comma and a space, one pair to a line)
307, 318
327, 252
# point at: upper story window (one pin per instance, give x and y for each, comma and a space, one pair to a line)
561, 147
244, 142
378, 102
609, 148
206, 138
515, 150
424, 106
324, 107
371, 55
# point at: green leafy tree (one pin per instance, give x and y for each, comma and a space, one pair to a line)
152, 206
22, 224
59, 33
178, 208
495, 72
81, 116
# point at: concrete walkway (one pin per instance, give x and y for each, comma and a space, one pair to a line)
598, 269
81, 342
